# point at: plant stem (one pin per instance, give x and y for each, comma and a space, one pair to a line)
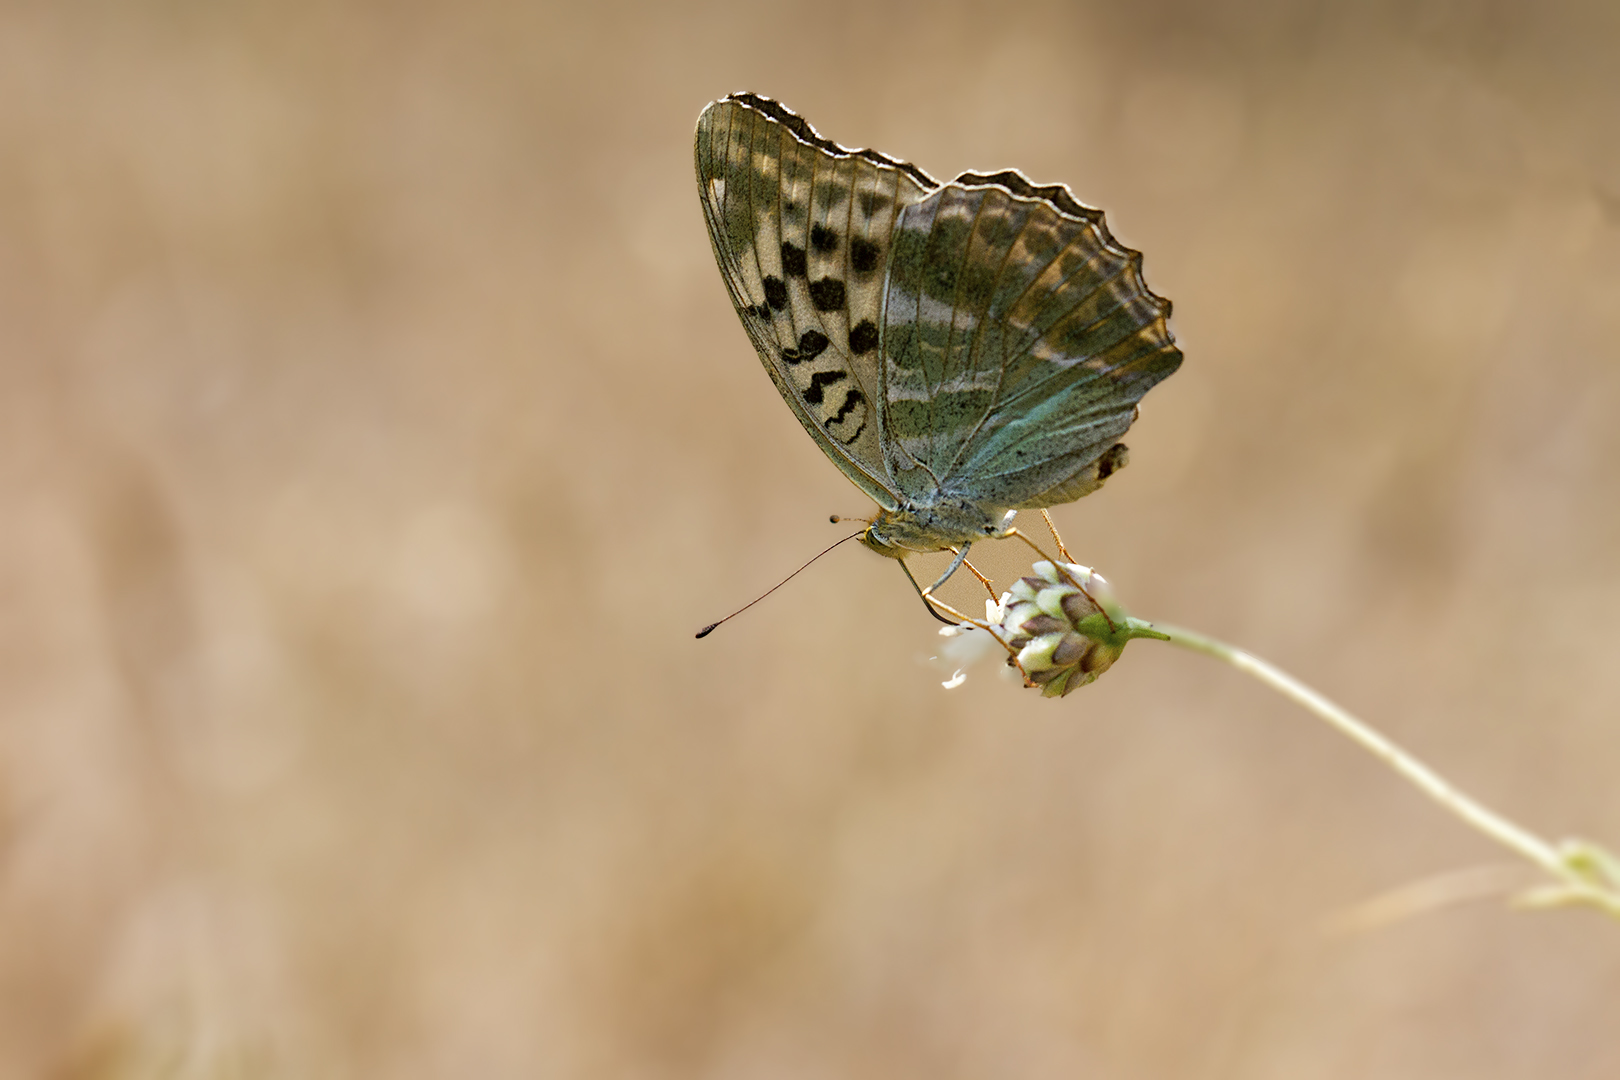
1582, 876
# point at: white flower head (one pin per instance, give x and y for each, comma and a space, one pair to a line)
967, 644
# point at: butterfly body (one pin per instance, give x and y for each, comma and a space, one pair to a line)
947, 522
958, 350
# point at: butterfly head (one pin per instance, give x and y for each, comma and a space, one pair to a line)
939, 527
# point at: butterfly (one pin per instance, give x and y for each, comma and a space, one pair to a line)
960, 351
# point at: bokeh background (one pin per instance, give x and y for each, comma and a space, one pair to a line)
375, 432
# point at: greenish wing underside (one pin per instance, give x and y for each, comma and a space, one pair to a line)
801, 230
1019, 337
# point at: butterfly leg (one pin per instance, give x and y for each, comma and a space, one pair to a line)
1032, 544
956, 564
1056, 539
986, 582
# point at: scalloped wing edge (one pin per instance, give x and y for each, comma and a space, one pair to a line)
1063, 201
806, 133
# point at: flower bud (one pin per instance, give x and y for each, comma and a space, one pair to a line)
1064, 626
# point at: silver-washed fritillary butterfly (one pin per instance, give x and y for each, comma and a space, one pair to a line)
959, 350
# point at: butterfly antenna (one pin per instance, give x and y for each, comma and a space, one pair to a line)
928, 602
707, 630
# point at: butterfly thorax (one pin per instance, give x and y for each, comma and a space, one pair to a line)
942, 525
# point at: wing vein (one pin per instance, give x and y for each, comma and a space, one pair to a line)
978, 338
956, 306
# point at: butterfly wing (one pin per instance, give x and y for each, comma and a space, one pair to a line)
1018, 338
801, 229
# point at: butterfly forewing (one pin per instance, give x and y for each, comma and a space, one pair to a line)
1019, 338
801, 231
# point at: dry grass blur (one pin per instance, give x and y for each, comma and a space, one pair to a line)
375, 432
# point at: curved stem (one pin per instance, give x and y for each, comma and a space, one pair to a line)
1584, 872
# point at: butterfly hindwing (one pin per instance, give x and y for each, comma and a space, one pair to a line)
801, 230
1019, 339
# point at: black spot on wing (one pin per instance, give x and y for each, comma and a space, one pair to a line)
852, 401
863, 338
827, 294
819, 382
863, 255
871, 202
794, 263
776, 293
823, 239
811, 345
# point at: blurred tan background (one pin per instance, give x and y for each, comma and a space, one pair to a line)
375, 432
